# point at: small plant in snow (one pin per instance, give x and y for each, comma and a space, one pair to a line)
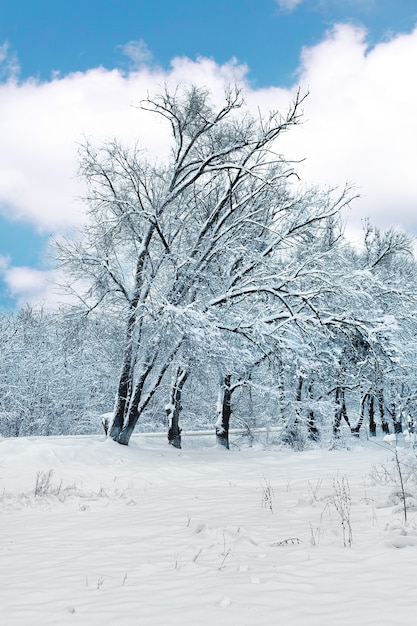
400, 475
290, 541
314, 535
317, 531
314, 489
267, 496
381, 475
342, 502
43, 484
403, 473
225, 554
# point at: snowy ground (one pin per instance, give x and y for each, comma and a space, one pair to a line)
95, 533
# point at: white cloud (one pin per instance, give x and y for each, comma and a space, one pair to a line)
288, 5
138, 52
360, 125
41, 123
291, 5
9, 63
26, 284
4, 263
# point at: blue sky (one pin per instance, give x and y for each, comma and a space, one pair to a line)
43, 42
52, 35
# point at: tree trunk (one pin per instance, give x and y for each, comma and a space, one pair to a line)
122, 402
174, 408
123, 408
292, 435
337, 414
224, 411
398, 427
298, 397
313, 431
281, 392
396, 420
355, 429
340, 412
381, 407
124, 390
132, 417
371, 410
139, 400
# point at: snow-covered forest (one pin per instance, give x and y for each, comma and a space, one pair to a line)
213, 288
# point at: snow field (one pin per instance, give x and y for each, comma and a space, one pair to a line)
149, 535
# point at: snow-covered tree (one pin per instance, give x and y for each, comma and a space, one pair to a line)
211, 252
56, 372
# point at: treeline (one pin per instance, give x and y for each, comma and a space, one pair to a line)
216, 288
59, 371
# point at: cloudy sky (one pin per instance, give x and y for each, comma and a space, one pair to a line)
70, 70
